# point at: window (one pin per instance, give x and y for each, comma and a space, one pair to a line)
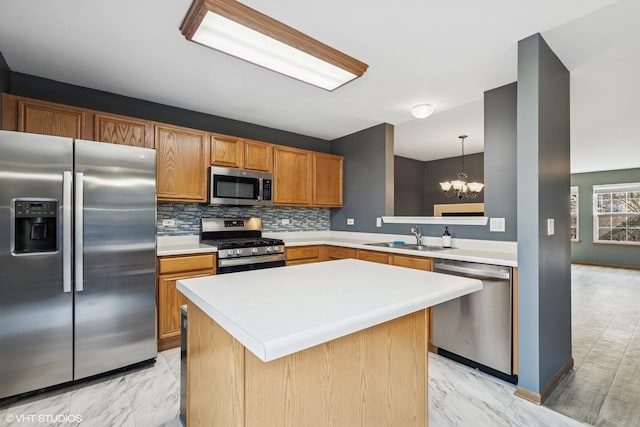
616, 213
573, 208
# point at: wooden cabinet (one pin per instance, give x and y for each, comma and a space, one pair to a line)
292, 176
170, 270
306, 254
373, 256
258, 155
327, 180
227, 151
182, 161
338, 252
47, 118
123, 130
415, 262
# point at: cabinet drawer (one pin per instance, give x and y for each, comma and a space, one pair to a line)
185, 263
303, 252
419, 263
336, 252
373, 256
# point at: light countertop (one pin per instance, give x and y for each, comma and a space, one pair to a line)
280, 311
482, 251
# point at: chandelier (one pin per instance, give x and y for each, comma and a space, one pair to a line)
460, 187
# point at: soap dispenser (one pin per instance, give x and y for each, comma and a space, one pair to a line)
446, 238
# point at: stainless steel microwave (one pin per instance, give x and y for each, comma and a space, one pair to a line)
228, 186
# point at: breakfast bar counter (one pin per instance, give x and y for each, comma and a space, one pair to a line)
327, 344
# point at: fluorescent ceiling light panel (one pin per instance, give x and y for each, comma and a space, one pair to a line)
235, 29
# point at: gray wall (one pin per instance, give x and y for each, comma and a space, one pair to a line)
408, 186
500, 156
586, 251
368, 178
543, 170
50, 90
440, 170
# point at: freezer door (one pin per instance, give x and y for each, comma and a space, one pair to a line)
36, 314
115, 275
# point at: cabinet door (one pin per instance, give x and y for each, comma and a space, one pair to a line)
51, 119
305, 255
182, 161
292, 176
337, 252
258, 155
169, 302
227, 151
123, 130
415, 262
373, 256
327, 180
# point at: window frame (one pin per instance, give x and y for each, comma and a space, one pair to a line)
574, 192
615, 192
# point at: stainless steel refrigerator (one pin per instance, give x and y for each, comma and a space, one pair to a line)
77, 259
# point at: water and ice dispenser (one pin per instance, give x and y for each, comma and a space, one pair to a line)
35, 226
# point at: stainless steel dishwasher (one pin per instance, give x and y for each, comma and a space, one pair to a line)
477, 329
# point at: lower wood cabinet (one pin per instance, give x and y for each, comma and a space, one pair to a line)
306, 254
170, 270
339, 252
373, 256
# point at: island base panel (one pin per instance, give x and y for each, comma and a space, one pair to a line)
377, 376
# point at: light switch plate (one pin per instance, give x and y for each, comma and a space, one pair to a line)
350, 221
168, 222
285, 221
550, 227
378, 222
496, 224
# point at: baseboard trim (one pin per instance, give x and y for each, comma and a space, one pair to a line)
539, 398
599, 264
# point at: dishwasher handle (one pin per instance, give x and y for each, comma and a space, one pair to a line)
476, 273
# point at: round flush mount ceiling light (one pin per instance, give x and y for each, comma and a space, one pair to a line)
422, 111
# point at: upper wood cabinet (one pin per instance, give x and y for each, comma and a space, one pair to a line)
123, 130
182, 163
227, 151
327, 180
258, 155
291, 176
48, 118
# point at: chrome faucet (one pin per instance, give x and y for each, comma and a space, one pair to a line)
418, 233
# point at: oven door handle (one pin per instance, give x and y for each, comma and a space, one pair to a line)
260, 259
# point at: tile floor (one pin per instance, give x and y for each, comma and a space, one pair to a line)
458, 396
603, 389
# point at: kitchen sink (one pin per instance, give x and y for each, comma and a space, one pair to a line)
407, 246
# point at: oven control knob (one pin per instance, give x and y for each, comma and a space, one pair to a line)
269, 249
239, 251
277, 248
254, 250
230, 252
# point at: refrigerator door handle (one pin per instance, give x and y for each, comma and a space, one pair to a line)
79, 229
67, 192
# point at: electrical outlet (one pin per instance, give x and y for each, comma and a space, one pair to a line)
550, 227
168, 222
378, 222
496, 224
285, 221
350, 221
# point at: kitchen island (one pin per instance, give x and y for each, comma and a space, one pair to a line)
328, 344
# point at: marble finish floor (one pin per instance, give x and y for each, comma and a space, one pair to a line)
603, 389
149, 397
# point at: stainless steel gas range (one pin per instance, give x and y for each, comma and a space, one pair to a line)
240, 244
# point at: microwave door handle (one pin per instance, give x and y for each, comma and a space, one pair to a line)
260, 189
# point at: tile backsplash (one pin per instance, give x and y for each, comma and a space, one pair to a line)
187, 217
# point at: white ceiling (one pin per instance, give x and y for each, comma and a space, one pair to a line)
443, 53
